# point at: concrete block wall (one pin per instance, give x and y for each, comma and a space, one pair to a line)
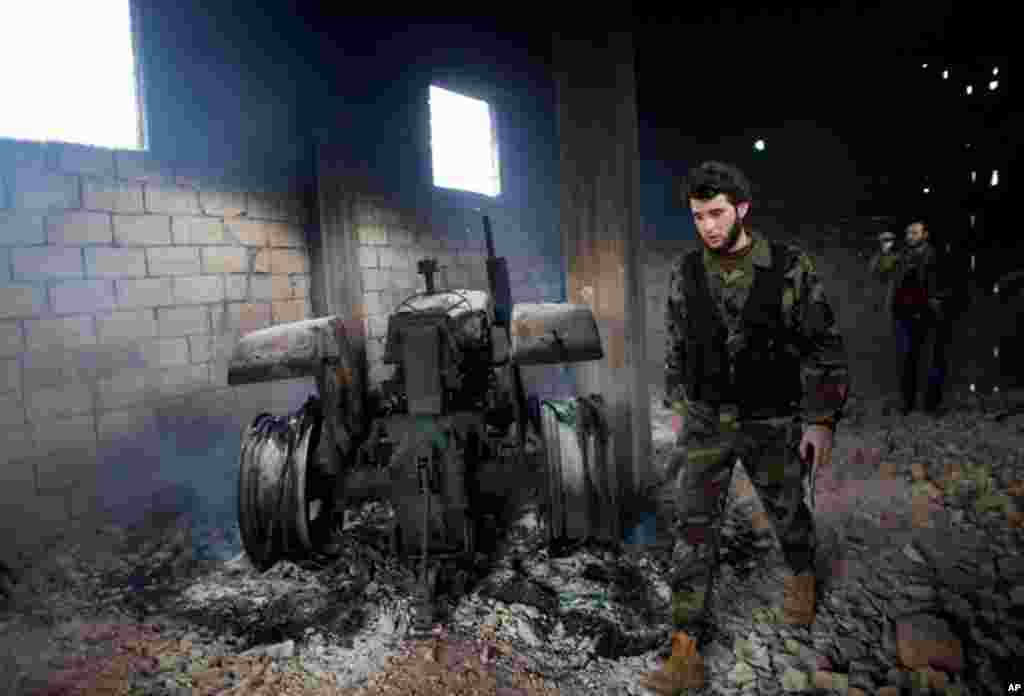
124, 284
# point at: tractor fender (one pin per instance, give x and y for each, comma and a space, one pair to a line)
553, 333
321, 348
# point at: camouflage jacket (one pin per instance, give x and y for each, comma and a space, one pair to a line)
824, 371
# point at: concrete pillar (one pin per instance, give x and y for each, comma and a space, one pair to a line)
601, 237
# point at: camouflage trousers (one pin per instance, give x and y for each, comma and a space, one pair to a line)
702, 466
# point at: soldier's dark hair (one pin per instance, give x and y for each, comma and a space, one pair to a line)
712, 178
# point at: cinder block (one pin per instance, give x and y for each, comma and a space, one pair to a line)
115, 263
261, 288
148, 292
402, 259
171, 261
182, 321
126, 388
200, 349
111, 195
19, 227
400, 237
260, 261
225, 259
374, 235
121, 327
203, 289
283, 287
378, 326
68, 332
398, 280
136, 230
223, 345
388, 258
250, 316
289, 310
126, 424
182, 379
283, 234
288, 261
166, 352
374, 280
66, 399
190, 230
10, 377
79, 227
55, 435
82, 296
171, 200
247, 232
375, 302
17, 448
35, 190
223, 320
137, 165
227, 204
47, 263
11, 341
368, 257
12, 411
73, 158
236, 286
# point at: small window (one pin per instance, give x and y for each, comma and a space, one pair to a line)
464, 151
70, 73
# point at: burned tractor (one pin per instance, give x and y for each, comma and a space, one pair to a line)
438, 440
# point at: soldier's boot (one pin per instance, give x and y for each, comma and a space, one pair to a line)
690, 565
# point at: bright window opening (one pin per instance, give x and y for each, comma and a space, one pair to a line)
759, 145
464, 149
945, 74
70, 73
970, 90
995, 178
993, 85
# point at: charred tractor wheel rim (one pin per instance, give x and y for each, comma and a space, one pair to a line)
276, 507
252, 522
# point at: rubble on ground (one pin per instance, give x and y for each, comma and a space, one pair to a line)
920, 567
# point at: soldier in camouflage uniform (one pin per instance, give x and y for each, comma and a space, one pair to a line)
751, 332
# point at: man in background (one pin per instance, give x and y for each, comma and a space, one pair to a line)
917, 310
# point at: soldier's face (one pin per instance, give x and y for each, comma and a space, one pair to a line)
718, 221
